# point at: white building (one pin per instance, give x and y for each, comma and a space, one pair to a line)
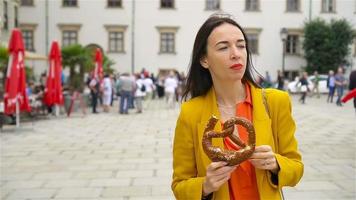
159, 34
8, 18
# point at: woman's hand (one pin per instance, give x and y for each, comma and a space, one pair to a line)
263, 158
217, 174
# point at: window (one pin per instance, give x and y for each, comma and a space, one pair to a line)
293, 5
116, 38
328, 6
69, 33
70, 3
16, 13
212, 4
252, 35
252, 5
167, 43
69, 38
28, 34
28, 38
253, 42
26, 2
167, 3
292, 44
114, 3
6, 17
116, 41
167, 39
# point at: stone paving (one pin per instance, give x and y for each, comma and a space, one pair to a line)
109, 156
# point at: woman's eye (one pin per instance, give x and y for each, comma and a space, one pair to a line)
241, 46
222, 48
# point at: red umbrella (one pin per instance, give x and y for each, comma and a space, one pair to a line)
15, 83
53, 91
98, 71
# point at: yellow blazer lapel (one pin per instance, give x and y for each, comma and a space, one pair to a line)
209, 108
261, 120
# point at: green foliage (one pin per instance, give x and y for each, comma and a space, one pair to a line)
107, 63
73, 56
326, 45
77, 55
4, 58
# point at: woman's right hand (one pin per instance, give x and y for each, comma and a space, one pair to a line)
217, 174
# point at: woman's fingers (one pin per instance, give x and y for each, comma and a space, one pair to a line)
217, 174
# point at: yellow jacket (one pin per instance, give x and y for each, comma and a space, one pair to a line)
277, 130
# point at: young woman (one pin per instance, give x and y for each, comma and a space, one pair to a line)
221, 83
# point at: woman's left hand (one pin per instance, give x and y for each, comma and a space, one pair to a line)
263, 158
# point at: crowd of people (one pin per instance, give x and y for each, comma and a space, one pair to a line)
132, 90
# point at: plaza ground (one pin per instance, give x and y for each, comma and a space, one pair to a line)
109, 156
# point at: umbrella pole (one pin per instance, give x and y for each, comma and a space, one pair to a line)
57, 110
17, 115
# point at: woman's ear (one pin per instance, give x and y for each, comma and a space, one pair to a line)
204, 62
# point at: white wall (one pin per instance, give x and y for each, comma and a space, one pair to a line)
188, 17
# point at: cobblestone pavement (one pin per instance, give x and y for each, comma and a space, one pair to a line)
109, 156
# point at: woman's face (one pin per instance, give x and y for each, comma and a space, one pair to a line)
226, 53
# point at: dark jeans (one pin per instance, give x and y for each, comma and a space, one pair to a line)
331, 94
125, 101
94, 101
340, 92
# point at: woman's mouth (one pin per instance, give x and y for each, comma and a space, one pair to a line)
236, 66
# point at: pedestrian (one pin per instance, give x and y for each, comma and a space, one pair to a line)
315, 88
331, 86
127, 86
140, 92
221, 82
94, 85
352, 89
340, 82
304, 87
170, 85
280, 80
107, 93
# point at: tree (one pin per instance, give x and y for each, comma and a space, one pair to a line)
326, 45
4, 58
74, 56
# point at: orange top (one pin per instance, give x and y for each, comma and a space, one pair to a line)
243, 184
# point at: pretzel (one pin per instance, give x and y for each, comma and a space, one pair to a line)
232, 157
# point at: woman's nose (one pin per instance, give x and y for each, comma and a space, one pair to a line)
234, 54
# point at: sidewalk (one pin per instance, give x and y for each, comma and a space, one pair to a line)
128, 157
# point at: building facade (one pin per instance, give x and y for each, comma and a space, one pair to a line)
159, 34
9, 10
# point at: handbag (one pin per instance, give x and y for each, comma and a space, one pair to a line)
303, 88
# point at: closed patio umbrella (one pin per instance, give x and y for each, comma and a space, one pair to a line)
53, 91
15, 97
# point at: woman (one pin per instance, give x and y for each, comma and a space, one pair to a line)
107, 93
221, 83
304, 87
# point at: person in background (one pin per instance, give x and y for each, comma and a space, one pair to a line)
221, 82
352, 84
304, 87
150, 87
126, 87
340, 82
331, 86
280, 80
107, 93
94, 85
170, 86
140, 92
315, 88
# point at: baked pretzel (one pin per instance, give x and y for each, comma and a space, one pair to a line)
232, 157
